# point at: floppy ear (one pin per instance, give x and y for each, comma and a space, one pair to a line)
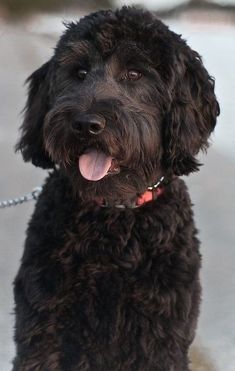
192, 114
31, 141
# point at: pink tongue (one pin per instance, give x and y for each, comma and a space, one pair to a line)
94, 165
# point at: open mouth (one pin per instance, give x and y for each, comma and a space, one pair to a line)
95, 165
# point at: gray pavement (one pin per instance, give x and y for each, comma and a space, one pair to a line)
22, 49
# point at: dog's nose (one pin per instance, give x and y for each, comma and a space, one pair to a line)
90, 123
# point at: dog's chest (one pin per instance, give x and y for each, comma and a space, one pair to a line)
109, 304
115, 277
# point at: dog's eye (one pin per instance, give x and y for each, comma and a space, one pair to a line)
133, 75
81, 73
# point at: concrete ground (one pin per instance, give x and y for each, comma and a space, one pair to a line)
22, 49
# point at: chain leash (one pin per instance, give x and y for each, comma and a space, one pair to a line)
20, 200
36, 192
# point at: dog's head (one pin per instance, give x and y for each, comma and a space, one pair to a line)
122, 102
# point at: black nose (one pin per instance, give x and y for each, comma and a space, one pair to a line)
89, 123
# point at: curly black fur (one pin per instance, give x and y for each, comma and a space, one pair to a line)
102, 288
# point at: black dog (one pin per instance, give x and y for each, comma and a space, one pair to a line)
109, 275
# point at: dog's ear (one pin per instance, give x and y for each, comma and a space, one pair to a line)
37, 106
192, 114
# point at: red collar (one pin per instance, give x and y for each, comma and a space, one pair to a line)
147, 196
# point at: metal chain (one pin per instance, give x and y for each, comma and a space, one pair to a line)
36, 192
20, 200
155, 186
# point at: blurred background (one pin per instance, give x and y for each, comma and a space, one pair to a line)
28, 32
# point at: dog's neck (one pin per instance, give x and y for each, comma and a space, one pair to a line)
152, 193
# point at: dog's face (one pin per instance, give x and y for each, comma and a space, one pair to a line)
122, 102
